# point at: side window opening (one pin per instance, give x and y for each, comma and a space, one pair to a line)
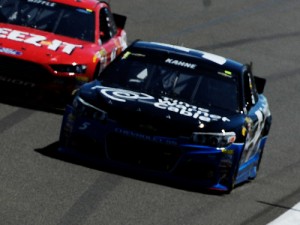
108, 27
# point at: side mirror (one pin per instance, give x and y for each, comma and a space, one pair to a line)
120, 20
260, 84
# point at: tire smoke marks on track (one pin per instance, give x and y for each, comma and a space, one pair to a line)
14, 118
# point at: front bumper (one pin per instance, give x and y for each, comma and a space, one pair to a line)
212, 168
21, 76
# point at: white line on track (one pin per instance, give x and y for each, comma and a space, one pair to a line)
290, 217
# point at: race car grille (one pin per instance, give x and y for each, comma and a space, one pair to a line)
196, 170
21, 72
142, 153
86, 145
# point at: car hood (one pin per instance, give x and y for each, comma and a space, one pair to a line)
42, 47
163, 113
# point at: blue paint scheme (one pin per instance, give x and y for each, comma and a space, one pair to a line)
160, 133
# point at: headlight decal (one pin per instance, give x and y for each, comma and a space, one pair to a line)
70, 69
222, 139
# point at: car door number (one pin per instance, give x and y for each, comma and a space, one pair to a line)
84, 126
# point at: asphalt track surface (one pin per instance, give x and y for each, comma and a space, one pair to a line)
38, 186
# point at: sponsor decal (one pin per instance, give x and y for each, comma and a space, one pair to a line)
37, 40
181, 63
253, 138
17, 82
127, 54
226, 73
188, 110
10, 51
228, 151
100, 55
123, 40
166, 103
156, 139
41, 2
122, 95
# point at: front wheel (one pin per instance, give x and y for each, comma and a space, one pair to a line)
256, 167
230, 181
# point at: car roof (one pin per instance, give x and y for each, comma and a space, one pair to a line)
205, 57
91, 4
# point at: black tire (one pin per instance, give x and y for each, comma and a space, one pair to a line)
231, 181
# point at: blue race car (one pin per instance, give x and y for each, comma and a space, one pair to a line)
183, 112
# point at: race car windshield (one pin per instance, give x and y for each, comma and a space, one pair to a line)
201, 89
49, 16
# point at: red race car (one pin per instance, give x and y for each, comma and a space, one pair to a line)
54, 46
